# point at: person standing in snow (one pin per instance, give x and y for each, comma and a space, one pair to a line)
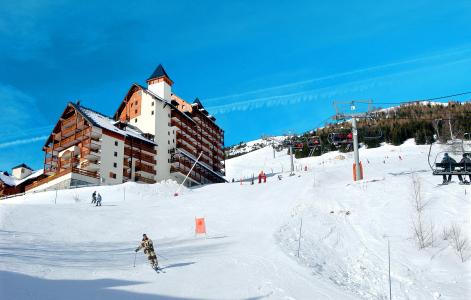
98, 200
467, 161
448, 160
94, 197
148, 247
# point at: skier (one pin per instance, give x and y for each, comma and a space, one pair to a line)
148, 246
98, 200
94, 197
467, 161
448, 160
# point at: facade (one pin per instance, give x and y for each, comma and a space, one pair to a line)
154, 135
22, 175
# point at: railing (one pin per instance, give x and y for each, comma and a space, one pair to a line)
144, 168
60, 174
68, 121
137, 154
144, 179
140, 145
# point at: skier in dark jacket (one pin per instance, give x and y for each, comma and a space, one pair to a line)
148, 246
467, 161
94, 197
448, 160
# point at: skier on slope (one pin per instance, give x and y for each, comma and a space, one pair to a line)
148, 246
94, 197
98, 200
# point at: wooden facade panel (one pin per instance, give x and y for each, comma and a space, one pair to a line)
132, 108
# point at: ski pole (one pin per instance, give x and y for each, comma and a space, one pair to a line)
135, 254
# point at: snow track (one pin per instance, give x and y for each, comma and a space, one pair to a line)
48, 250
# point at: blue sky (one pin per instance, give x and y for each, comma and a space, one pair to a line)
261, 67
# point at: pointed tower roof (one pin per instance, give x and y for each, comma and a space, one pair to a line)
159, 72
197, 101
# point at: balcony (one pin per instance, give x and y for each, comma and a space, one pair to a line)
145, 168
90, 165
143, 179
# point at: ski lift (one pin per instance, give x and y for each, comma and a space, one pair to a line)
340, 138
371, 132
454, 148
314, 142
298, 145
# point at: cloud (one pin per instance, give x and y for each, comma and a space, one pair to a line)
24, 141
20, 115
350, 82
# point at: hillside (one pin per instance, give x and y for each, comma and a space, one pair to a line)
59, 246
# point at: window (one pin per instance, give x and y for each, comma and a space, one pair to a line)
112, 175
136, 102
168, 160
135, 120
135, 111
132, 104
169, 142
115, 165
116, 154
169, 133
152, 103
173, 140
116, 143
169, 115
152, 113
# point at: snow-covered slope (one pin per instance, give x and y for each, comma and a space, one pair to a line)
60, 247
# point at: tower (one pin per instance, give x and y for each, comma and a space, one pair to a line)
160, 83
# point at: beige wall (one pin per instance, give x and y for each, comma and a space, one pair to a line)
108, 148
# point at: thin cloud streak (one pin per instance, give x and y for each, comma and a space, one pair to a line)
296, 98
21, 142
457, 51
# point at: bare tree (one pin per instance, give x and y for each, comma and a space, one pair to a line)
423, 233
459, 242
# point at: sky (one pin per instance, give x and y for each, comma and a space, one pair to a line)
260, 67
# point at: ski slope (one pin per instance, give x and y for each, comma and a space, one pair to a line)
60, 247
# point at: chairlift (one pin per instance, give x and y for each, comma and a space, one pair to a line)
298, 145
314, 142
455, 148
372, 132
340, 138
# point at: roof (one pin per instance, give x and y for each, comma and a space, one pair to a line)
104, 122
22, 166
197, 102
158, 72
12, 181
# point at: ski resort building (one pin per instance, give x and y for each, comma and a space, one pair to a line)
21, 176
154, 135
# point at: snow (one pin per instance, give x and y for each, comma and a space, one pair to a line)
13, 181
59, 246
109, 124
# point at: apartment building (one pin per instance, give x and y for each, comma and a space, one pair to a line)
154, 135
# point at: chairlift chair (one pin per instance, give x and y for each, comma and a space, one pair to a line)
455, 150
340, 138
372, 133
298, 145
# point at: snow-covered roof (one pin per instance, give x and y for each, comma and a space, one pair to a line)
108, 123
12, 181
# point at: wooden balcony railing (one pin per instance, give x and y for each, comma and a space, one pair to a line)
144, 179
